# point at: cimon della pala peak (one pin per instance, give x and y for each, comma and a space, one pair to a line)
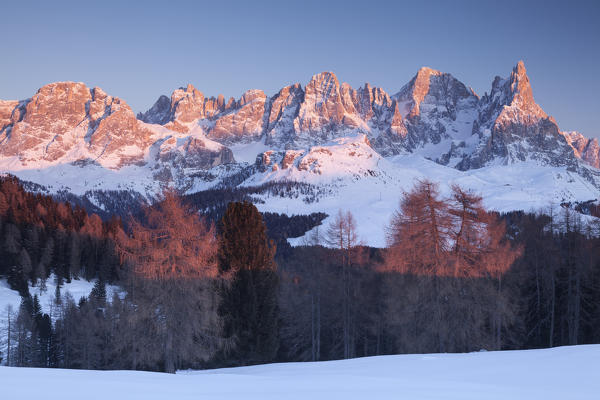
350, 148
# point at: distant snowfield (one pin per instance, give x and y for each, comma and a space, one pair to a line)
352, 177
560, 373
523, 186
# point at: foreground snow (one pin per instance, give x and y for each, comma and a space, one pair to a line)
559, 373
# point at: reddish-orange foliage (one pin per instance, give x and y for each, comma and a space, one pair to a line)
173, 242
455, 236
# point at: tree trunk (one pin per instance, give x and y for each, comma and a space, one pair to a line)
552, 310
169, 362
8, 312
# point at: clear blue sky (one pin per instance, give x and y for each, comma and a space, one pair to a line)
140, 50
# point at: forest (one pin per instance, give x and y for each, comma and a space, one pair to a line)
207, 284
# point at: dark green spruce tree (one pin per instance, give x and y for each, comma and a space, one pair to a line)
248, 288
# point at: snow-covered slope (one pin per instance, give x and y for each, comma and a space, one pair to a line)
559, 373
359, 148
351, 176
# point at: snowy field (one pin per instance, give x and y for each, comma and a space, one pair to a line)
571, 373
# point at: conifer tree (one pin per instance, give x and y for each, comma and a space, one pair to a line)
99, 291
249, 288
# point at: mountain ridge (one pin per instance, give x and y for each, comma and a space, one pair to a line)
72, 138
424, 111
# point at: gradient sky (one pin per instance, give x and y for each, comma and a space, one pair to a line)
140, 51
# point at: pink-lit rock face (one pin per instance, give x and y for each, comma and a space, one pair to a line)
283, 108
330, 108
9, 113
419, 88
513, 127
50, 117
435, 105
516, 94
322, 108
586, 149
244, 121
64, 116
293, 117
188, 104
66, 122
434, 108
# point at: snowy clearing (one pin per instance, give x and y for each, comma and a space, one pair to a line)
559, 373
77, 288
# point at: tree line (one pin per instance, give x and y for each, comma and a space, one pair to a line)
453, 277
41, 236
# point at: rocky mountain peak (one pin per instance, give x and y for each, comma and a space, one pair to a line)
416, 90
240, 121
522, 94
325, 84
326, 129
436, 106
283, 108
159, 113
516, 92
584, 148
322, 108
251, 95
513, 127
65, 118
187, 104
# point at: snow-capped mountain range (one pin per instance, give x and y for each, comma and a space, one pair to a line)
360, 148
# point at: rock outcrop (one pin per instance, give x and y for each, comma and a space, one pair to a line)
243, 121
433, 115
293, 118
436, 106
69, 118
586, 149
513, 128
68, 122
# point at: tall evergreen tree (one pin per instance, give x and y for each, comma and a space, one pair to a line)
249, 286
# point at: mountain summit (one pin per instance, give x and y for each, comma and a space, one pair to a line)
324, 133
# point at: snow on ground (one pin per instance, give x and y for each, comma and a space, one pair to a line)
7, 297
77, 288
79, 179
351, 176
523, 186
560, 373
247, 152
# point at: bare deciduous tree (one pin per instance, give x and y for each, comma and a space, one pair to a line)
342, 235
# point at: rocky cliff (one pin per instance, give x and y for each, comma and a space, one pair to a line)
434, 116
